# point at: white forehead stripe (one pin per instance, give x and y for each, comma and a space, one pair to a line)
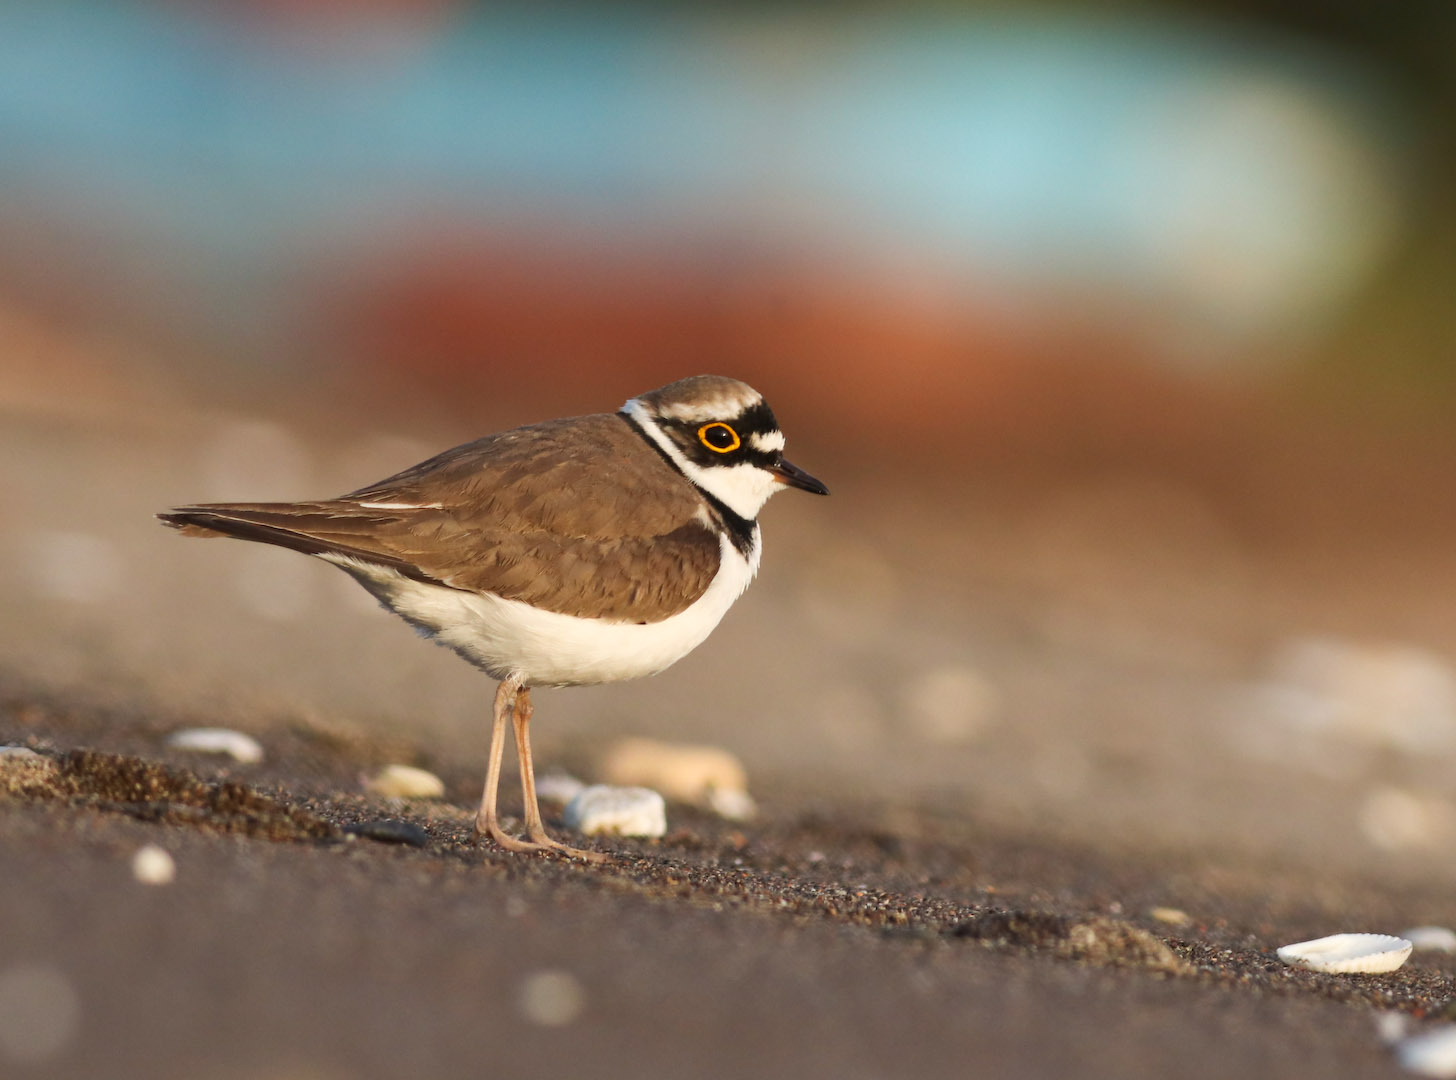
721, 406
767, 441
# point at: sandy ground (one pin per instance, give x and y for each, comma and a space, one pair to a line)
993, 721
854, 940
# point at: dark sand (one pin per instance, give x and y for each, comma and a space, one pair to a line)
850, 940
931, 889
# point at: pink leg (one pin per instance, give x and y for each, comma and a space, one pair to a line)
487, 822
535, 827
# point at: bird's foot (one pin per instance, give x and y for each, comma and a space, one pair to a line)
584, 854
539, 843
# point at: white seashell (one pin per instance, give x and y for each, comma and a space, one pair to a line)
405, 782
235, 744
617, 811
558, 787
1431, 938
691, 774
1348, 953
1432, 1053
152, 865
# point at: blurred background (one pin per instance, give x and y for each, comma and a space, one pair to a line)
1121, 332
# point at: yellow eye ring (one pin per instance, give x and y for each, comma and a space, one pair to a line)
712, 435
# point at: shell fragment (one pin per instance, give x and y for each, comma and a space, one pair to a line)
236, 745
1348, 953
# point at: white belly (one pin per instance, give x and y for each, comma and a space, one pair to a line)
544, 648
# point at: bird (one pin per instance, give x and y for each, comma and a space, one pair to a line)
573, 552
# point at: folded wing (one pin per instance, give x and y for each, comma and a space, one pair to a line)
568, 516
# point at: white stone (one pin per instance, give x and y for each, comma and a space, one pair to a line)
1432, 1053
1431, 938
405, 782
706, 776
552, 998
1348, 953
152, 865
1391, 1027
18, 753
236, 745
602, 810
558, 787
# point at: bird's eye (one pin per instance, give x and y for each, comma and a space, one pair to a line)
719, 437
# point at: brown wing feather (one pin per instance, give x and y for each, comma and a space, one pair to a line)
570, 516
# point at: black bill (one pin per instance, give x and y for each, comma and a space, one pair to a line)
791, 474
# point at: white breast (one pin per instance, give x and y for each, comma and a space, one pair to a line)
545, 648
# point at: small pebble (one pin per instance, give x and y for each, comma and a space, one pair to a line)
391, 831
558, 787
1170, 915
405, 782
1431, 938
552, 998
1391, 1027
1348, 953
601, 810
236, 745
733, 805
1432, 1053
702, 775
152, 865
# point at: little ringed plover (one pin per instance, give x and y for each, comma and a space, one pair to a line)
586, 550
